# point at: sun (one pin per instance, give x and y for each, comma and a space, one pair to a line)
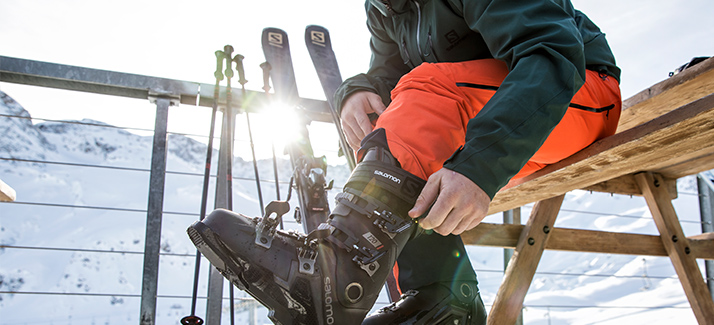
274, 126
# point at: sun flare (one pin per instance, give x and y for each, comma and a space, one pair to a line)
276, 125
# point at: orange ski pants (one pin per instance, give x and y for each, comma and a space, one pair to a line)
426, 121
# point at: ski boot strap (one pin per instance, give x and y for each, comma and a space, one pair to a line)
392, 188
384, 219
367, 248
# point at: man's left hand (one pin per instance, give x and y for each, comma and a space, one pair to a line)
460, 204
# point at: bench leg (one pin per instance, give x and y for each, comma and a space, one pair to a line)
677, 245
523, 264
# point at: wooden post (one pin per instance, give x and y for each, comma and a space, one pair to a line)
677, 245
523, 264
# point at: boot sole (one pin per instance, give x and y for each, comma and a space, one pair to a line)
212, 247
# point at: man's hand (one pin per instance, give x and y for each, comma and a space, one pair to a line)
355, 122
460, 204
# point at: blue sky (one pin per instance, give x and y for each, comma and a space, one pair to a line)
176, 39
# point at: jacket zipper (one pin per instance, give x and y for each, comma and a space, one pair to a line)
418, 30
407, 59
605, 109
430, 46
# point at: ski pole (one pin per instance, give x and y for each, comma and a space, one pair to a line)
193, 319
228, 118
241, 79
228, 137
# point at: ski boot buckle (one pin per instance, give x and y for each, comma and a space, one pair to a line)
265, 229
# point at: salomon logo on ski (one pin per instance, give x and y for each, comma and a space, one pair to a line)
317, 38
275, 39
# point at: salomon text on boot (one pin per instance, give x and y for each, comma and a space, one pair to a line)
334, 274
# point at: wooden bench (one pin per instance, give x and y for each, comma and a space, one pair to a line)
7, 194
665, 132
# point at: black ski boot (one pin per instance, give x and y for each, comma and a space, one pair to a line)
442, 289
434, 304
334, 274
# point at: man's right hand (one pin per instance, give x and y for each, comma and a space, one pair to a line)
355, 122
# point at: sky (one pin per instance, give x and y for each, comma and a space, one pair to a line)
176, 39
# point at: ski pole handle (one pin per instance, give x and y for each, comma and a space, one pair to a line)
228, 50
219, 65
266, 75
239, 67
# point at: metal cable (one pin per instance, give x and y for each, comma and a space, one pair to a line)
620, 215
119, 168
99, 125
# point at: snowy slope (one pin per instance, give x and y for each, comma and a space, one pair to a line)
96, 258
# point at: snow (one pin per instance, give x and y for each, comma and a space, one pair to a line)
93, 220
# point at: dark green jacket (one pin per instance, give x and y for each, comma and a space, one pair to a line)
547, 45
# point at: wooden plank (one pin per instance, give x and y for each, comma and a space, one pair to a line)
704, 236
587, 241
702, 245
626, 185
605, 242
7, 193
677, 246
564, 239
578, 240
668, 140
492, 234
703, 161
523, 264
687, 86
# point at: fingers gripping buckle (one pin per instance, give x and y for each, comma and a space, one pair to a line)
390, 224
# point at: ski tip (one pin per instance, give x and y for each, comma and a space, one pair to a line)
317, 35
275, 38
315, 27
272, 29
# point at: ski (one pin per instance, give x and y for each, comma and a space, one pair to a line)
309, 171
319, 45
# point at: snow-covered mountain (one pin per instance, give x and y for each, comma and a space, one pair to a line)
72, 243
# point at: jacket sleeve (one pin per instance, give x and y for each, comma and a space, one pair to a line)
543, 49
385, 68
